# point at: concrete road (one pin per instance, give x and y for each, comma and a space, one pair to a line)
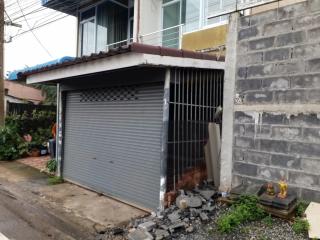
25, 221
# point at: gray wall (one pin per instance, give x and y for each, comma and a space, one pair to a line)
277, 98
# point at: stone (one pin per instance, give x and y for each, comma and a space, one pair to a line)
140, 235
176, 226
192, 201
117, 231
204, 217
190, 229
194, 212
174, 217
207, 194
147, 226
161, 234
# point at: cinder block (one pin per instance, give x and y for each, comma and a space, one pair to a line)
305, 120
247, 33
245, 169
243, 47
291, 96
265, 17
314, 5
310, 165
303, 179
277, 54
282, 83
284, 68
258, 97
313, 96
305, 149
238, 155
257, 157
306, 81
248, 84
312, 135
292, 11
307, 51
313, 65
242, 72
314, 34
239, 130
307, 21
242, 117
277, 146
260, 70
291, 38
250, 59
289, 133
310, 195
275, 118
250, 130
244, 142
244, 21
273, 174
276, 27
262, 43
285, 161
263, 131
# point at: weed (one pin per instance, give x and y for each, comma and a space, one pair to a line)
301, 208
244, 210
268, 220
55, 180
300, 226
52, 165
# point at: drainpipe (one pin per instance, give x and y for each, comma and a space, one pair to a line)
164, 140
138, 23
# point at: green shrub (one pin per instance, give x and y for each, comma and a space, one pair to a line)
12, 146
301, 208
244, 210
52, 165
55, 180
300, 226
268, 220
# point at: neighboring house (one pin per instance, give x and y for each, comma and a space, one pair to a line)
133, 118
16, 92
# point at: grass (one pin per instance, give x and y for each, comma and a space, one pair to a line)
268, 220
55, 180
300, 226
301, 208
243, 210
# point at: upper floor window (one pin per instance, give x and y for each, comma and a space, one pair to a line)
106, 25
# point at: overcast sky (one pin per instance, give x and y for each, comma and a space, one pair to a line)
59, 38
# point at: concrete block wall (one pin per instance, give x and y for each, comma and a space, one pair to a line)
277, 98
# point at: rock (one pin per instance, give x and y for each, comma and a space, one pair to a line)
164, 227
176, 226
140, 235
208, 208
194, 202
194, 212
161, 234
174, 217
147, 226
207, 194
117, 231
190, 229
204, 217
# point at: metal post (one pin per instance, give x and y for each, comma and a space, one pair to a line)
164, 142
59, 135
2, 92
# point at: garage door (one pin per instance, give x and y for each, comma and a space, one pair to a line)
112, 141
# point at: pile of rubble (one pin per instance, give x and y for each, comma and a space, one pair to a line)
191, 208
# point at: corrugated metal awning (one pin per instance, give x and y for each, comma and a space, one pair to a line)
65, 6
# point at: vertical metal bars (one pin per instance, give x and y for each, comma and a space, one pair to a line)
194, 98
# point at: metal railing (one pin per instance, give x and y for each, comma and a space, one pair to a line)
119, 44
168, 37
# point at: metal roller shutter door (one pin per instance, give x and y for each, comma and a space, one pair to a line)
112, 141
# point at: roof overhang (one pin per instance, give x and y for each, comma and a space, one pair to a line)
65, 6
118, 62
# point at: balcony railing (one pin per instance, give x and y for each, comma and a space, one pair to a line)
169, 37
119, 44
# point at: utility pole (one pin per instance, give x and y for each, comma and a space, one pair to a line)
2, 92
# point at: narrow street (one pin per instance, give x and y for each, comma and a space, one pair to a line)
22, 220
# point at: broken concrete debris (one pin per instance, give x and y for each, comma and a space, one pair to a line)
191, 208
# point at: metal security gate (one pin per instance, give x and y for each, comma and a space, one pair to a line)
112, 141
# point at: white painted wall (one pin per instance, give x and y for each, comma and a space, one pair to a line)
150, 17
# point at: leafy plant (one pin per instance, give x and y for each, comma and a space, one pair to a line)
301, 208
300, 226
11, 144
55, 180
268, 220
52, 165
244, 210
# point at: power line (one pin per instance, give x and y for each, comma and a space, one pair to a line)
38, 40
